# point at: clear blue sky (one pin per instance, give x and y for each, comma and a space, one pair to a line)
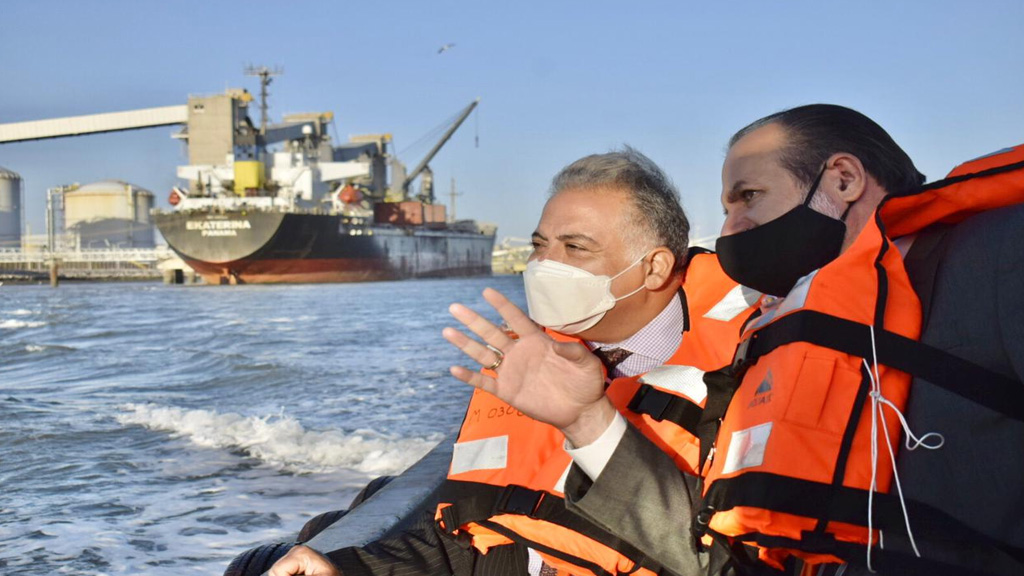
558, 79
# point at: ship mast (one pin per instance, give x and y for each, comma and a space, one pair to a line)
453, 194
266, 76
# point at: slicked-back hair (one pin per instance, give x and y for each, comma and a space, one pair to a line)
657, 217
817, 131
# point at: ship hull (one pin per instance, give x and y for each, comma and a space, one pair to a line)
277, 247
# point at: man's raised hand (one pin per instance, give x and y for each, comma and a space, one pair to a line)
560, 383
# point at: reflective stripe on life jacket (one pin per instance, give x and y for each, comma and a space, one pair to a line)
508, 471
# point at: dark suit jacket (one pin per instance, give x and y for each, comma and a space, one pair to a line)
643, 498
977, 313
420, 549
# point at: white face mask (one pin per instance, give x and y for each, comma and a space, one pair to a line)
568, 299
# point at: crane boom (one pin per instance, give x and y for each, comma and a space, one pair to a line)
437, 147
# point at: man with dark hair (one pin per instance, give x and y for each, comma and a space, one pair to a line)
800, 455
610, 252
815, 132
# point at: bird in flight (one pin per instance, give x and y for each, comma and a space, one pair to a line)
445, 48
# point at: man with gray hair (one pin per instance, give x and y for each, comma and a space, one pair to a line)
610, 252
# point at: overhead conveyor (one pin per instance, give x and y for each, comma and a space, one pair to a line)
93, 124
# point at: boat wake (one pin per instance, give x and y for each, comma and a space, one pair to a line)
12, 324
280, 441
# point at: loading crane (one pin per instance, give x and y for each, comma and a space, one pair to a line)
401, 184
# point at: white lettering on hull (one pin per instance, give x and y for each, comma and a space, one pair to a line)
218, 226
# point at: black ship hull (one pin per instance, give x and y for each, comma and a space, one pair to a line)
276, 247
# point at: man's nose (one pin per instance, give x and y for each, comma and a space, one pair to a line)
735, 222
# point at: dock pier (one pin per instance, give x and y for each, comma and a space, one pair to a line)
102, 264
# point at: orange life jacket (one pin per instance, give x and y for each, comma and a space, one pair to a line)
798, 428
506, 481
792, 470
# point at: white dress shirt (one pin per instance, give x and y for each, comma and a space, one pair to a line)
651, 346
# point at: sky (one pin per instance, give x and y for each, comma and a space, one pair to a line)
558, 79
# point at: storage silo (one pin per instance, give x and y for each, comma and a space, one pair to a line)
10, 209
109, 214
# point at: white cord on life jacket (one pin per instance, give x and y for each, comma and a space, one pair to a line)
877, 401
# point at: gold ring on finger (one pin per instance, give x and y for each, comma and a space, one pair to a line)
497, 361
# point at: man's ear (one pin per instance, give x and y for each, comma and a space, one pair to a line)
846, 177
659, 270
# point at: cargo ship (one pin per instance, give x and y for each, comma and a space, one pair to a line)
282, 203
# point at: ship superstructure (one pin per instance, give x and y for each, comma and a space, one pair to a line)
284, 203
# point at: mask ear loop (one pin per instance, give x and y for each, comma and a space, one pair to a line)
814, 186
846, 212
642, 285
877, 401
635, 262
814, 190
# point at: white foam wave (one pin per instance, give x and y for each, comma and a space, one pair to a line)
22, 312
281, 441
34, 348
14, 324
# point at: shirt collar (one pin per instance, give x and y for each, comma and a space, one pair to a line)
656, 342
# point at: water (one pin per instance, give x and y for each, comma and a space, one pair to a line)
164, 430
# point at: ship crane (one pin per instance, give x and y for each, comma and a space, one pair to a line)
401, 183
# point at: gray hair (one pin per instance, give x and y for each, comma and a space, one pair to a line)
657, 216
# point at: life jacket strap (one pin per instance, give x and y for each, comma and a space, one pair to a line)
721, 384
972, 559
526, 502
478, 502
966, 379
848, 505
662, 406
595, 568
741, 557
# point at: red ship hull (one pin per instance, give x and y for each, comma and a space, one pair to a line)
274, 247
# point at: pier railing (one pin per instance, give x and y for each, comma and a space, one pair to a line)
103, 263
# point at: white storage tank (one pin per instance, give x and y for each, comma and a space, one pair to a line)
10, 209
109, 214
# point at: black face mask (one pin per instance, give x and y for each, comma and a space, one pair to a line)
773, 256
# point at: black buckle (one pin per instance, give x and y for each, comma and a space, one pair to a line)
519, 500
450, 520
651, 402
702, 520
740, 361
699, 526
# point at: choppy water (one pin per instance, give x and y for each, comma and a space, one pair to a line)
163, 430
